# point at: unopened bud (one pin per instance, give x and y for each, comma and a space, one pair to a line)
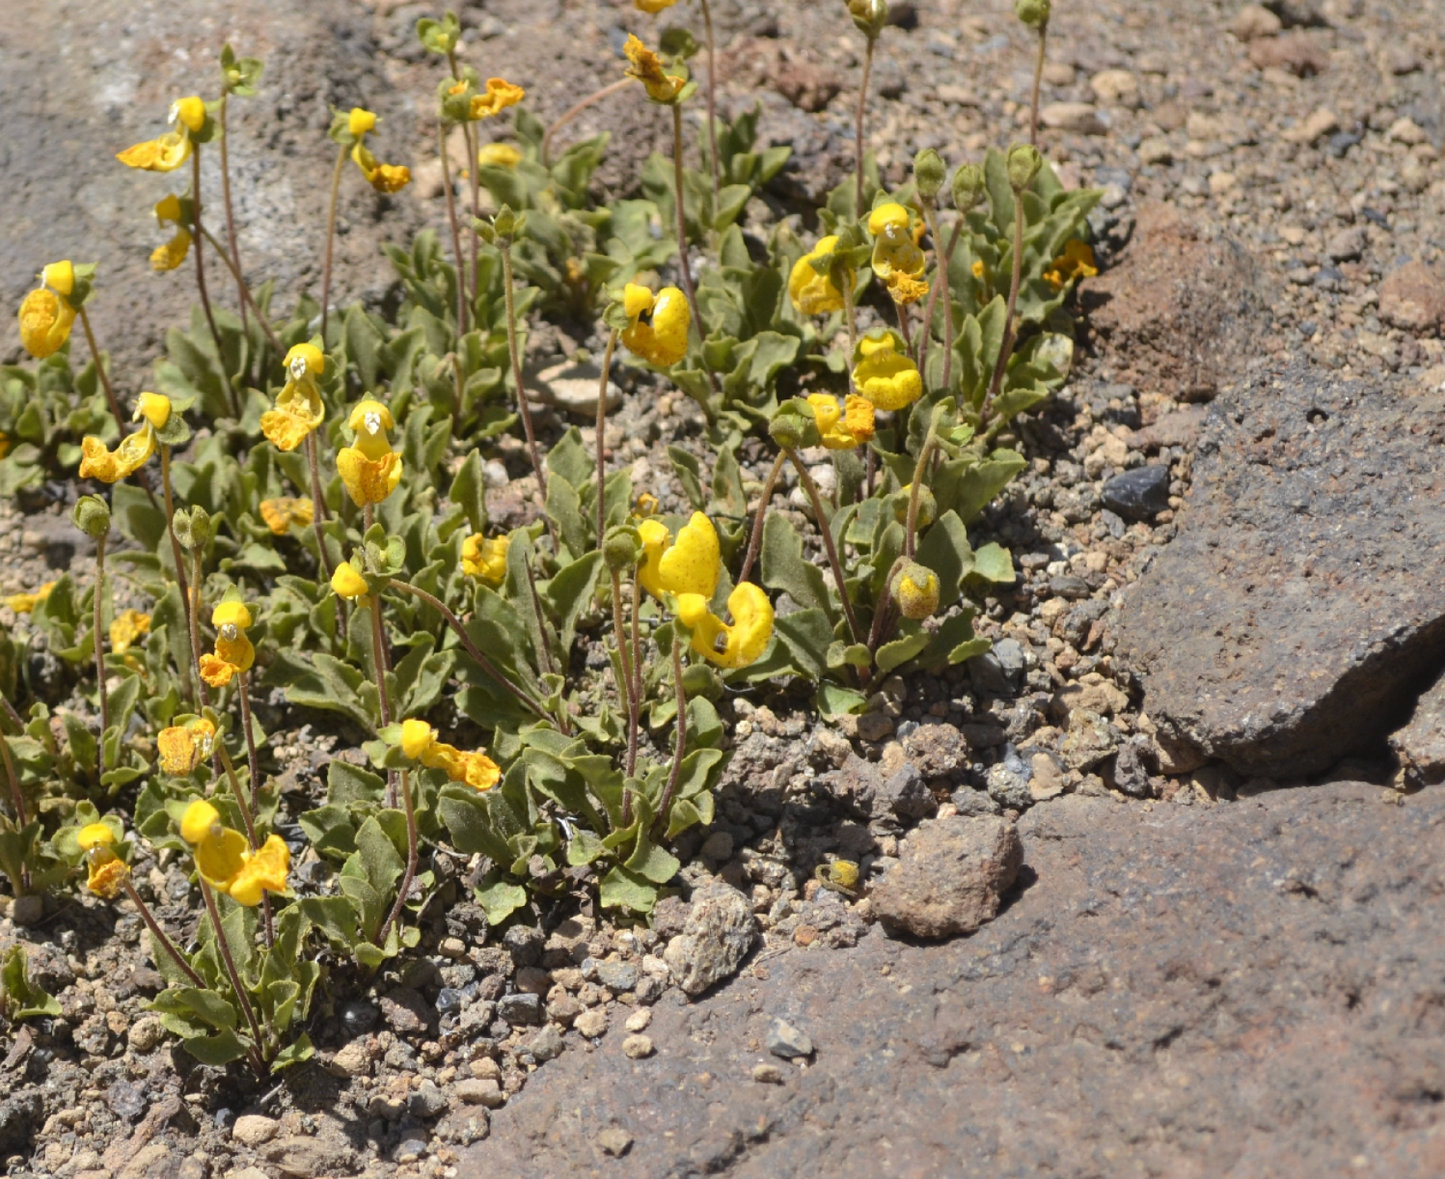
967, 187
622, 548
1034, 13
869, 15
92, 516
927, 506
916, 590
1024, 163
929, 172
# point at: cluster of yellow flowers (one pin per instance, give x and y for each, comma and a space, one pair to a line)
689, 568
484, 558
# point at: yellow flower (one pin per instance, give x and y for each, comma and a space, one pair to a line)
369, 468
105, 871
654, 6
813, 293
359, 122
1077, 261
885, 377
980, 271
283, 511
95, 835
646, 67
183, 747
845, 428
154, 408
658, 324
645, 505
261, 871
25, 603
498, 155
169, 151
45, 322
693, 564
128, 626
904, 288
485, 559
843, 873
347, 583
167, 257
894, 250
234, 651
299, 408
382, 177
59, 277
916, 588
500, 95
220, 852
134, 451
737, 645
655, 539
419, 742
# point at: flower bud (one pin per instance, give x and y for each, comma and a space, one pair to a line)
1024, 163
927, 505
193, 528
929, 172
916, 590
869, 15
92, 516
622, 548
1034, 13
791, 429
967, 187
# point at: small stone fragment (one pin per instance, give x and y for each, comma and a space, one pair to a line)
351, 1060
475, 1091
146, 1034
1079, 117
787, 1041
637, 1047
719, 932
639, 1019
547, 1044
767, 1074
1296, 53
951, 877
591, 1023
1254, 21
426, 1101
252, 1130
1139, 494
1115, 88
615, 1141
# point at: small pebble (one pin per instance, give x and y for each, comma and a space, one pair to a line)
637, 1047
767, 1074
639, 1019
787, 1041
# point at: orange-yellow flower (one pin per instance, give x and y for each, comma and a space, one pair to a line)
183, 747
498, 155
846, 427
369, 468
299, 408
46, 313
658, 324
170, 150
894, 249
690, 565
1077, 261
738, 645
499, 95
814, 293
646, 67
420, 743
283, 511
227, 863
234, 651
127, 628
382, 177
884, 373
485, 559
25, 603
169, 256
111, 466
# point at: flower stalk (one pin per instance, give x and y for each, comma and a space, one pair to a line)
411, 862
664, 808
330, 238
97, 600
817, 501
504, 245
254, 1051
162, 938
601, 429
1010, 334
456, 231
755, 541
190, 594
858, 117
201, 281
234, 260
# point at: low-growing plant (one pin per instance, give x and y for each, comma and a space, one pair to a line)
327, 538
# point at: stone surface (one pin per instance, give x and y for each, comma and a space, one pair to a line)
1420, 745
75, 200
1251, 988
1412, 297
253, 1130
1254, 21
1140, 494
1297, 53
1293, 621
1079, 117
1182, 307
787, 1041
719, 932
951, 877
546, 1044
637, 1047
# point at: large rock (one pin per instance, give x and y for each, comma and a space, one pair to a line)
719, 932
1420, 745
73, 101
951, 877
1250, 988
1184, 307
1299, 611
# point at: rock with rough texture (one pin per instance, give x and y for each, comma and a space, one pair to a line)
254, 1130
1420, 745
1412, 298
1279, 954
719, 932
1182, 308
1079, 117
1140, 494
1295, 617
1296, 53
75, 200
951, 878
787, 1041
1254, 21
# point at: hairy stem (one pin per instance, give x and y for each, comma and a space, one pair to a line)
684, 266
378, 655
246, 299
1010, 334
522, 403
944, 262
812, 489
162, 938
910, 531
234, 260
96, 601
100, 371
633, 720
624, 656
680, 741
411, 860
755, 541
601, 427
712, 101
330, 239
193, 674
318, 504
456, 231
858, 121
255, 1053
1038, 79
200, 237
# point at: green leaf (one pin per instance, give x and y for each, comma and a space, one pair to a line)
834, 700
571, 591
901, 650
994, 563
19, 997
652, 862
807, 634
784, 568
689, 474
217, 1051
468, 491
583, 848
945, 550
622, 889
500, 898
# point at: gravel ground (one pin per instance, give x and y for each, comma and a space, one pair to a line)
1301, 160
